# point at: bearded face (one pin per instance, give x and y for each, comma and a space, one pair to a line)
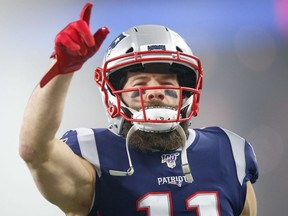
158, 97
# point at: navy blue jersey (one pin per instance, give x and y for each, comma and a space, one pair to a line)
221, 163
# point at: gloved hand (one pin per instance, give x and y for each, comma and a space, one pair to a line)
74, 45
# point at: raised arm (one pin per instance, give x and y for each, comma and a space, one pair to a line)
62, 177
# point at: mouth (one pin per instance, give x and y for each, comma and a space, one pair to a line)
159, 107
156, 119
156, 113
155, 106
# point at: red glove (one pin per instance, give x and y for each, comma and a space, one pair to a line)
74, 45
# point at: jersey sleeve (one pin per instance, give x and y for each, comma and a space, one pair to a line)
82, 141
71, 139
252, 172
244, 158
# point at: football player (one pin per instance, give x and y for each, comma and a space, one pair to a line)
149, 161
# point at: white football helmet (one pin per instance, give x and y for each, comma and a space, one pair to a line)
145, 48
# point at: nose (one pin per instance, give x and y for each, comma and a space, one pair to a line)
155, 95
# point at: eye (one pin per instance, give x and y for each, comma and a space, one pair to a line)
139, 83
167, 83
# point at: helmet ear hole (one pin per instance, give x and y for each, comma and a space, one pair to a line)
130, 50
179, 49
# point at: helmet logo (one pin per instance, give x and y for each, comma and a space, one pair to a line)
156, 47
114, 43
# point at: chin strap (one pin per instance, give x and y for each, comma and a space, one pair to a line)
130, 170
184, 160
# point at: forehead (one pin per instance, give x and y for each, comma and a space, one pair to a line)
150, 75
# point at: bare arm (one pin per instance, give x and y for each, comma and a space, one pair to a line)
61, 176
250, 207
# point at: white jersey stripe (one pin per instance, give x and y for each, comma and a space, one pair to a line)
87, 144
238, 149
191, 137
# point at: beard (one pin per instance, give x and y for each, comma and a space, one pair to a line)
147, 141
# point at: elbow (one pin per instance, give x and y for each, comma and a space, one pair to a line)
33, 149
26, 152
26, 148
33, 153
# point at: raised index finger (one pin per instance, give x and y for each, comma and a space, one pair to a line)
86, 12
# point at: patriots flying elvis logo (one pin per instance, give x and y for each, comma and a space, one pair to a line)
114, 43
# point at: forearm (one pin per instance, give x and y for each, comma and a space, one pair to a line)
42, 117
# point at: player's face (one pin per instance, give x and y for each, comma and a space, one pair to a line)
151, 97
